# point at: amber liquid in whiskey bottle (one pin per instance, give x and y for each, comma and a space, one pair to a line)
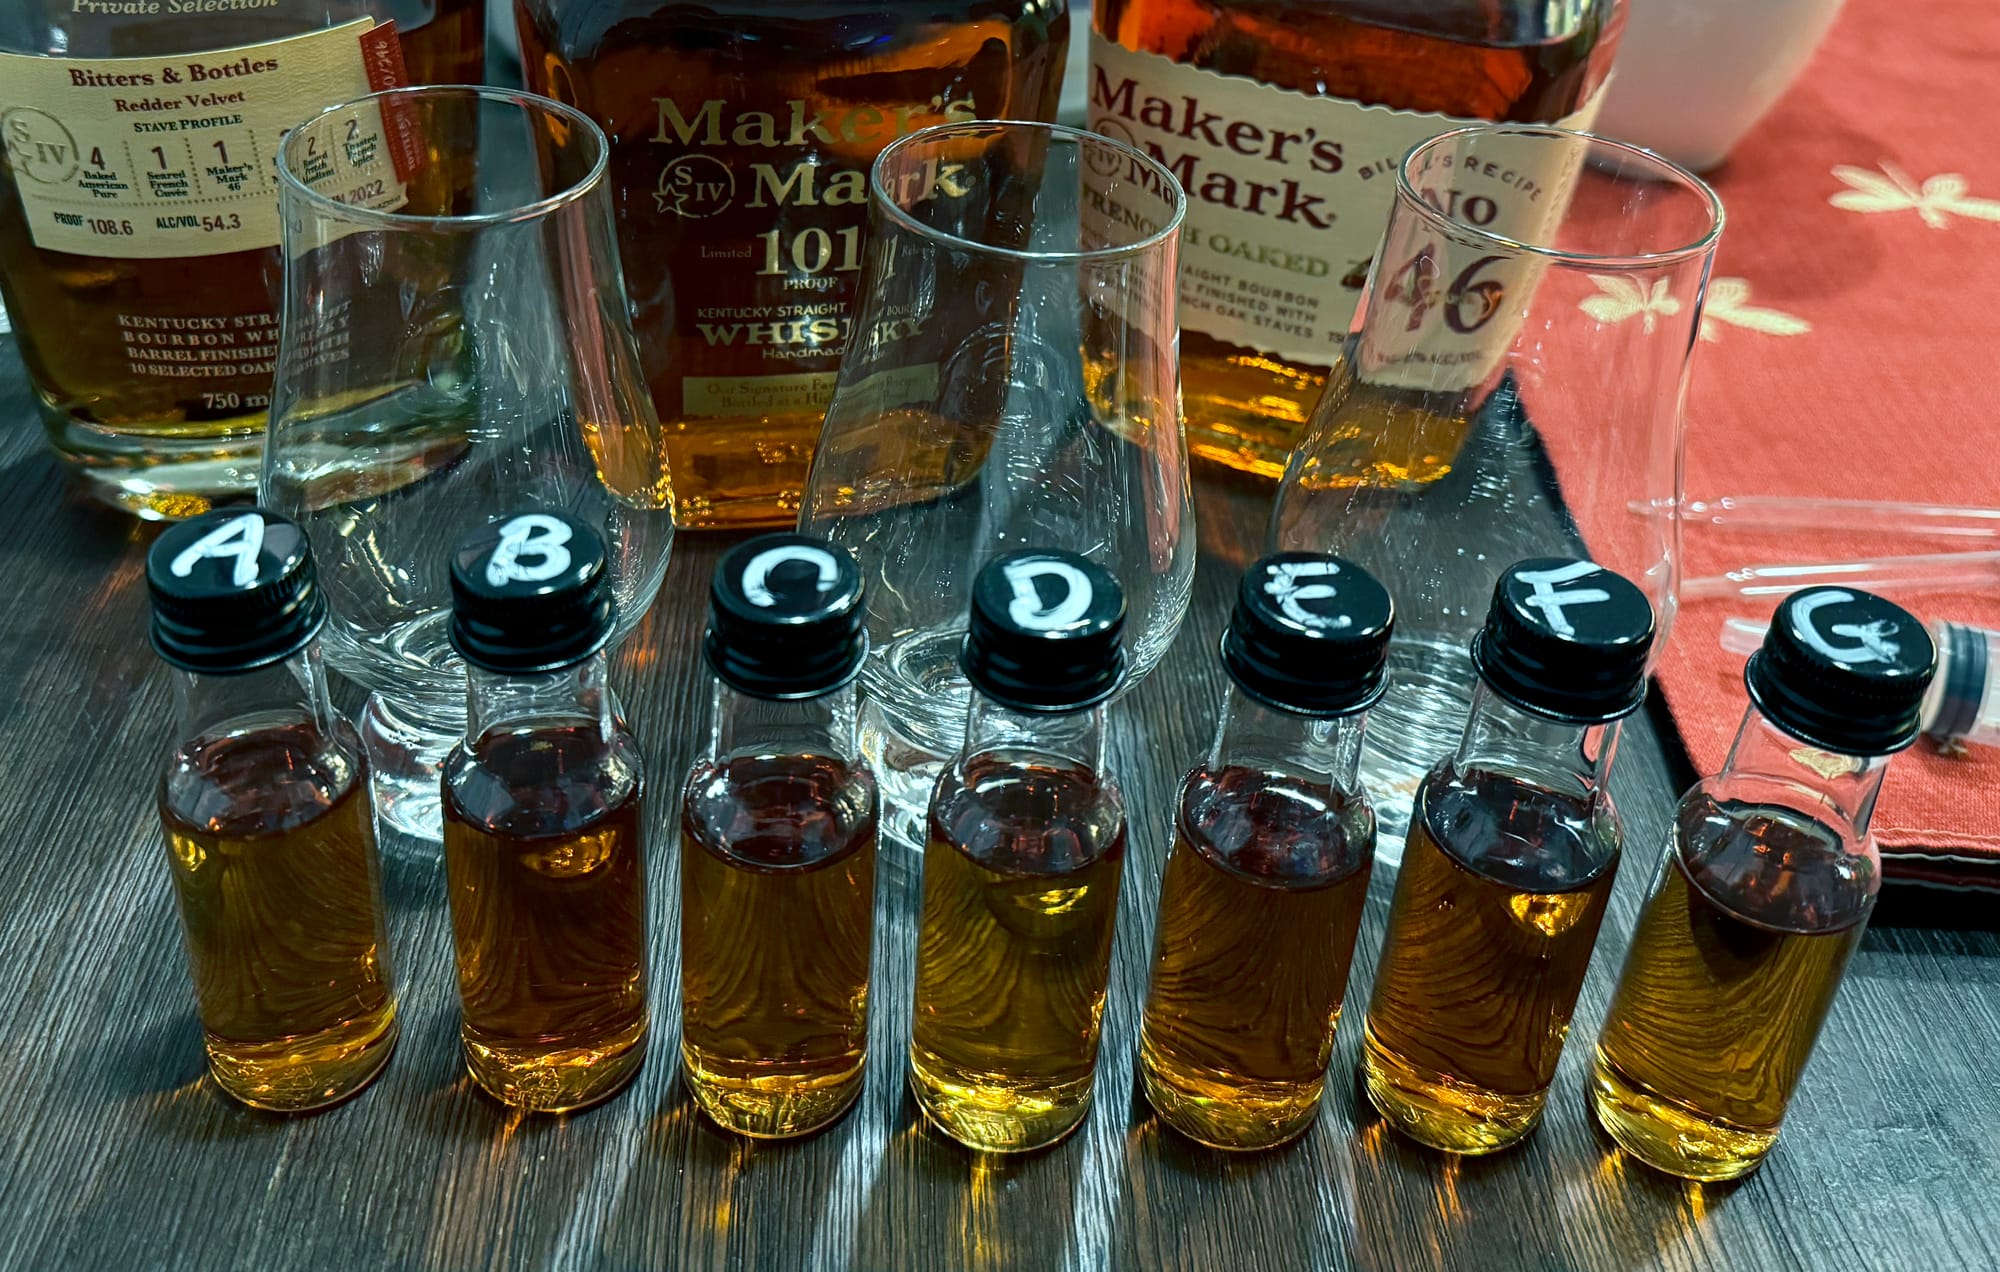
741, 140
152, 363
1282, 231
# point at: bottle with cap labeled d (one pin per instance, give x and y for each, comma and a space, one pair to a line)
778, 847
1512, 846
544, 823
1022, 863
1274, 840
1769, 876
269, 829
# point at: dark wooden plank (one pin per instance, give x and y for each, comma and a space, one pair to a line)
114, 1152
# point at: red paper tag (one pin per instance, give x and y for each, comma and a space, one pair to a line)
382, 58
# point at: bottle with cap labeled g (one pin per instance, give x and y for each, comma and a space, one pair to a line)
778, 847
1769, 876
270, 832
1512, 845
1273, 844
1021, 867
544, 823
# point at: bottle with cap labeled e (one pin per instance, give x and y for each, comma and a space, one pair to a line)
1512, 845
544, 823
1274, 840
269, 829
1021, 868
1769, 876
778, 847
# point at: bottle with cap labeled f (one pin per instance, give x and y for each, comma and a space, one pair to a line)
1274, 840
1512, 845
1022, 863
544, 823
270, 832
1769, 876
778, 847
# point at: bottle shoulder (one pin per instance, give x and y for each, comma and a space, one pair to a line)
1772, 858
1275, 828
779, 812
1019, 812
1510, 828
539, 780
261, 775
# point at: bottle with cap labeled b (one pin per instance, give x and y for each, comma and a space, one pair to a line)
1769, 877
778, 847
1512, 846
1021, 868
1274, 839
544, 823
269, 828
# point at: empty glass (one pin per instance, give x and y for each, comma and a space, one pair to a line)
1513, 387
456, 347
1011, 381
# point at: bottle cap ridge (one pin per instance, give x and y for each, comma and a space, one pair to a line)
1843, 670
1046, 632
1566, 639
785, 617
530, 593
1309, 634
232, 591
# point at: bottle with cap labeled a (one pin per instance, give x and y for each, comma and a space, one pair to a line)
1274, 840
1022, 863
269, 829
778, 847
1769, 876
1512, 845
544, 823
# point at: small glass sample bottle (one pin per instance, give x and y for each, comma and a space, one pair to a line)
778, 847
269, 829
1274, 840
544, 823
1512, 846
1022, 863
1768, 880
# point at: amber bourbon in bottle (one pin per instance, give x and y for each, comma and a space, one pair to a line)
778, 846
1273, 841
270, 833
1286, 121
139, 211
1769, 877
741, 137
1026, 843
1512, 845
544, 824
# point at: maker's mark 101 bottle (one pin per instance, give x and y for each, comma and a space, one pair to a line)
1286, 121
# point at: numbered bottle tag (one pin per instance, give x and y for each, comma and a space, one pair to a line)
820, 565
1305, 592
1577, 601
531, 550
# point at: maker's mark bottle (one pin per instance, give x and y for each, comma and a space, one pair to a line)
139, 211
1286, 121
741, 139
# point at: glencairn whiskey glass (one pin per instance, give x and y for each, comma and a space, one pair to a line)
1513, 388
1011, 381
456, 346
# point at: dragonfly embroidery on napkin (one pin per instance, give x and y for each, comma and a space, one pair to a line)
1893, 190
1728, 301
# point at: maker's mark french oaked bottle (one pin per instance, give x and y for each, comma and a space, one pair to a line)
139, 212
1286, 121
741, 136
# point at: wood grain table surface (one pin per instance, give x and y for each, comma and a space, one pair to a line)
116, 1153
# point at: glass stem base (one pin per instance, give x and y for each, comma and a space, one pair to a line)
406, 750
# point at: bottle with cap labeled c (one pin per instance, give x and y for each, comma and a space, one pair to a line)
1274, 840
270, 832
544, 823
1770, 874
1512, 846
778, 847
1021, 868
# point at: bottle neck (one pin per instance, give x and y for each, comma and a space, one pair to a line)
746, 725
1077, 737
293, 691
1570, 759
1314, 749
568, 697
1767, 765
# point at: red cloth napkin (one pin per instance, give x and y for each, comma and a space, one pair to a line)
1849, 349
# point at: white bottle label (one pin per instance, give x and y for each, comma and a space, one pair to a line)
1287, 194
153, 158
1027, 609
